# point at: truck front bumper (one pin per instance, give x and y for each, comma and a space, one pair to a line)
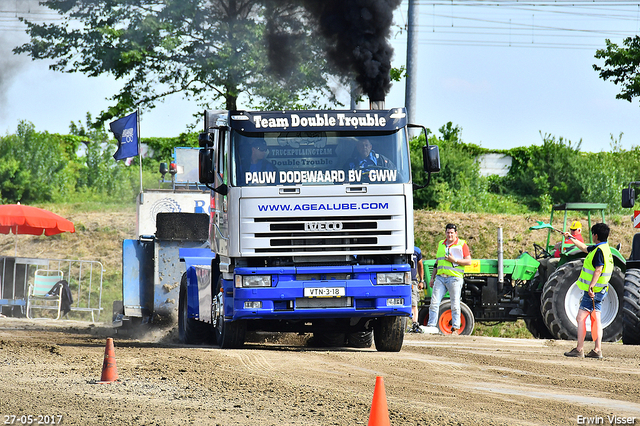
318, 292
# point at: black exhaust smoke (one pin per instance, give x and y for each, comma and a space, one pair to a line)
357, 32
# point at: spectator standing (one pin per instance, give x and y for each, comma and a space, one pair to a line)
452, 256
594, 281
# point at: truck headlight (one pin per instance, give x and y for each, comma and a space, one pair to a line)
393, 278
253, 281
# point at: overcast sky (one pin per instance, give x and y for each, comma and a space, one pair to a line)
502, 71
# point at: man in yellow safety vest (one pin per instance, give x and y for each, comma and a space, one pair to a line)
594, 281
452, 256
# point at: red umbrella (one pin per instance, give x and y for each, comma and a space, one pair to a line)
19, 219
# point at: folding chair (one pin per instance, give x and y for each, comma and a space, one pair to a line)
38, 296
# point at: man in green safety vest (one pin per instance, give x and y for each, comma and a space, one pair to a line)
594, 281
452, 255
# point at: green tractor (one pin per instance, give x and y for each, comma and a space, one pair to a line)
493, 291
541, 290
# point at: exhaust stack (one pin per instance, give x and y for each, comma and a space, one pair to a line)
376, 104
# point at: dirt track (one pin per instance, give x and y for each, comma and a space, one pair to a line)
52, 369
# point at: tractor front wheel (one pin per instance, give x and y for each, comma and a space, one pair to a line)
445, 317
423, 316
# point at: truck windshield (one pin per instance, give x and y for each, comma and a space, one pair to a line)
313, 158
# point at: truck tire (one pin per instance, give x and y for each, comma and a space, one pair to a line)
360, 339
118, 309
561, 301
388, 333
228, 334
467, 320
631, 308
190, 330
327, 339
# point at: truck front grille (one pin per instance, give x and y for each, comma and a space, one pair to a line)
324, 226
334, 234
310, 303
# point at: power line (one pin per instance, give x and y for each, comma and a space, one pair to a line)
505, 3
532, 24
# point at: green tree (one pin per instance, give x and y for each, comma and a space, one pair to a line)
546, 174
622, 66
458, 186
211, 51
30, 165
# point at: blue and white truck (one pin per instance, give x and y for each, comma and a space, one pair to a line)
311, 228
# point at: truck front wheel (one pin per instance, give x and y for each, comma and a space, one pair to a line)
228, 334
190, 330
561, 301
388, 333
631, 308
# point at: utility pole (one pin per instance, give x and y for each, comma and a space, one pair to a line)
412, 61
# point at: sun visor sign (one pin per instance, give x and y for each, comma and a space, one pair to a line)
305, 121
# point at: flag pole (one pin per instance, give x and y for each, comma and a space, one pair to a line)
139, 151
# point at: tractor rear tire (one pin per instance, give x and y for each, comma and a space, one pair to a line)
561, 300
535, 323
631, 308
537, 328
467, 320
388, 333
190, 330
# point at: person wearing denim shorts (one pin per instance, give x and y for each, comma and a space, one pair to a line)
452, 256
594, 280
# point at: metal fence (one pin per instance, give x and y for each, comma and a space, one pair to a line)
84, 278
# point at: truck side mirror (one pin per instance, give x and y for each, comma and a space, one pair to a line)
205, 140
628, 197
431, 158
205, 166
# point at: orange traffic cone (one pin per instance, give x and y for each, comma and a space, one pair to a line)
109, 369
379, 415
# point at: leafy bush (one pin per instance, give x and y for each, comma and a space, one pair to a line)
547, 173
553, 173
39, 167
31, 164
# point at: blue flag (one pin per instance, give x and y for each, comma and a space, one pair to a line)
126, 132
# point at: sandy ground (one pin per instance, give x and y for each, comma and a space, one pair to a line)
50, 369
